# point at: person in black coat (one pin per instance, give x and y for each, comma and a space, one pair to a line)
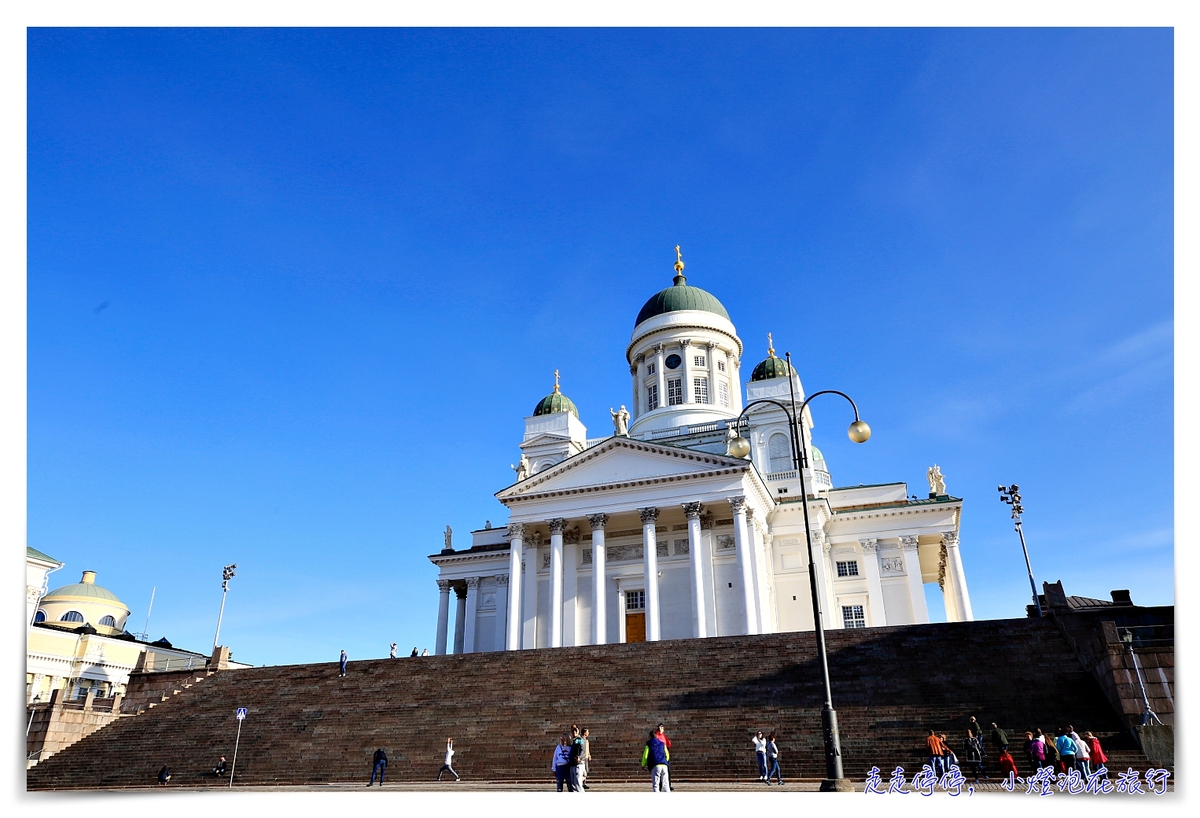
379, 765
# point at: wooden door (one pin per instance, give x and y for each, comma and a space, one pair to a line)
635, 627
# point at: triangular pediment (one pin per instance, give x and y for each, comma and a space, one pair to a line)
621, 460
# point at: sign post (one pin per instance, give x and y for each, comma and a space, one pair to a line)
241, 717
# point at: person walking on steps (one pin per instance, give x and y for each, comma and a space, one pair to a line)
575, 760
934, 744
446, 765
773, 760
378, 765
973, 753
342, 664
999, 739
760, 754
1098, 755
656, 758
558, 761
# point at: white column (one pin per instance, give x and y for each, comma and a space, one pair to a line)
685, 352
502, 613
599, 587
460, 618
443, 620
650, 564
740, 540
713, 395
695, 553
639, 388
661, 375
530, 598
735, 376
758, 553
512, 639
621, 617
870, 547
556, 580
954, 568
946, 583
912, 568
570, 626
471, 610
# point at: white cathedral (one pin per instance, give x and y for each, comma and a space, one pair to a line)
655, 532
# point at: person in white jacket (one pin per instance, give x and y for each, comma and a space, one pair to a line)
760, 750
446, 766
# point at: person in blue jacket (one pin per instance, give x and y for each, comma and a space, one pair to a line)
656, 758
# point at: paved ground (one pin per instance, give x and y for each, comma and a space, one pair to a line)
811, 785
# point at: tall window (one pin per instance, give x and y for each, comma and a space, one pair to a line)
649, 369
847, 569
674, 391
701, 388
780, 451
700, 360
635, 600
651, 397
852, 617
720, 366
723, 392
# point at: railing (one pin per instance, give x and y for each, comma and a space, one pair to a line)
781, 475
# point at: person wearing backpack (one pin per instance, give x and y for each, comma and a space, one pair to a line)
773, 759
655, 758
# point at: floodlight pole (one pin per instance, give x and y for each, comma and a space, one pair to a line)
226, 575
1012, 496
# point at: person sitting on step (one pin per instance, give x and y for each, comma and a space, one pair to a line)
220, 768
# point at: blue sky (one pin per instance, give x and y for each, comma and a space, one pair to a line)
291, 292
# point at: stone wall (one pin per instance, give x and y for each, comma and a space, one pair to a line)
58, 724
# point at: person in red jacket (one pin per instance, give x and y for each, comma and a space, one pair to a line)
1098, 756
1007, 765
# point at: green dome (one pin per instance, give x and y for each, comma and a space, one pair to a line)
555, 402
772, 367
816, 453
87, 588
680, 296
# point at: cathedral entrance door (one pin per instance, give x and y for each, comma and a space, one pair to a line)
635, 627
635, 616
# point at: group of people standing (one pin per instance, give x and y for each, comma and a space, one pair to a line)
571, 758
1067, 751
766, 751
392, 652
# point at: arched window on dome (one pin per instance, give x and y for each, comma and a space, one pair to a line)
108, 622
780, 452
71, 616
40, 616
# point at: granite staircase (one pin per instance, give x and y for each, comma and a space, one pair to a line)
506, 710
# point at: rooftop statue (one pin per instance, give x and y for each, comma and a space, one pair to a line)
937, 483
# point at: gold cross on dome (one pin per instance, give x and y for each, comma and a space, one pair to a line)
556, 380
770, 346
678, 260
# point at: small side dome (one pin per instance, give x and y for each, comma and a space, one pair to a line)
772, 367
816, 453
555, 402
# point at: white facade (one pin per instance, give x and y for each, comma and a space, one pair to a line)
659, 534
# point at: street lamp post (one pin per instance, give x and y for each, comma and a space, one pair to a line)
227, 574
1148, 715
1012, 496
859, 432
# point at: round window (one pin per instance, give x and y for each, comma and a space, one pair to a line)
673, 361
